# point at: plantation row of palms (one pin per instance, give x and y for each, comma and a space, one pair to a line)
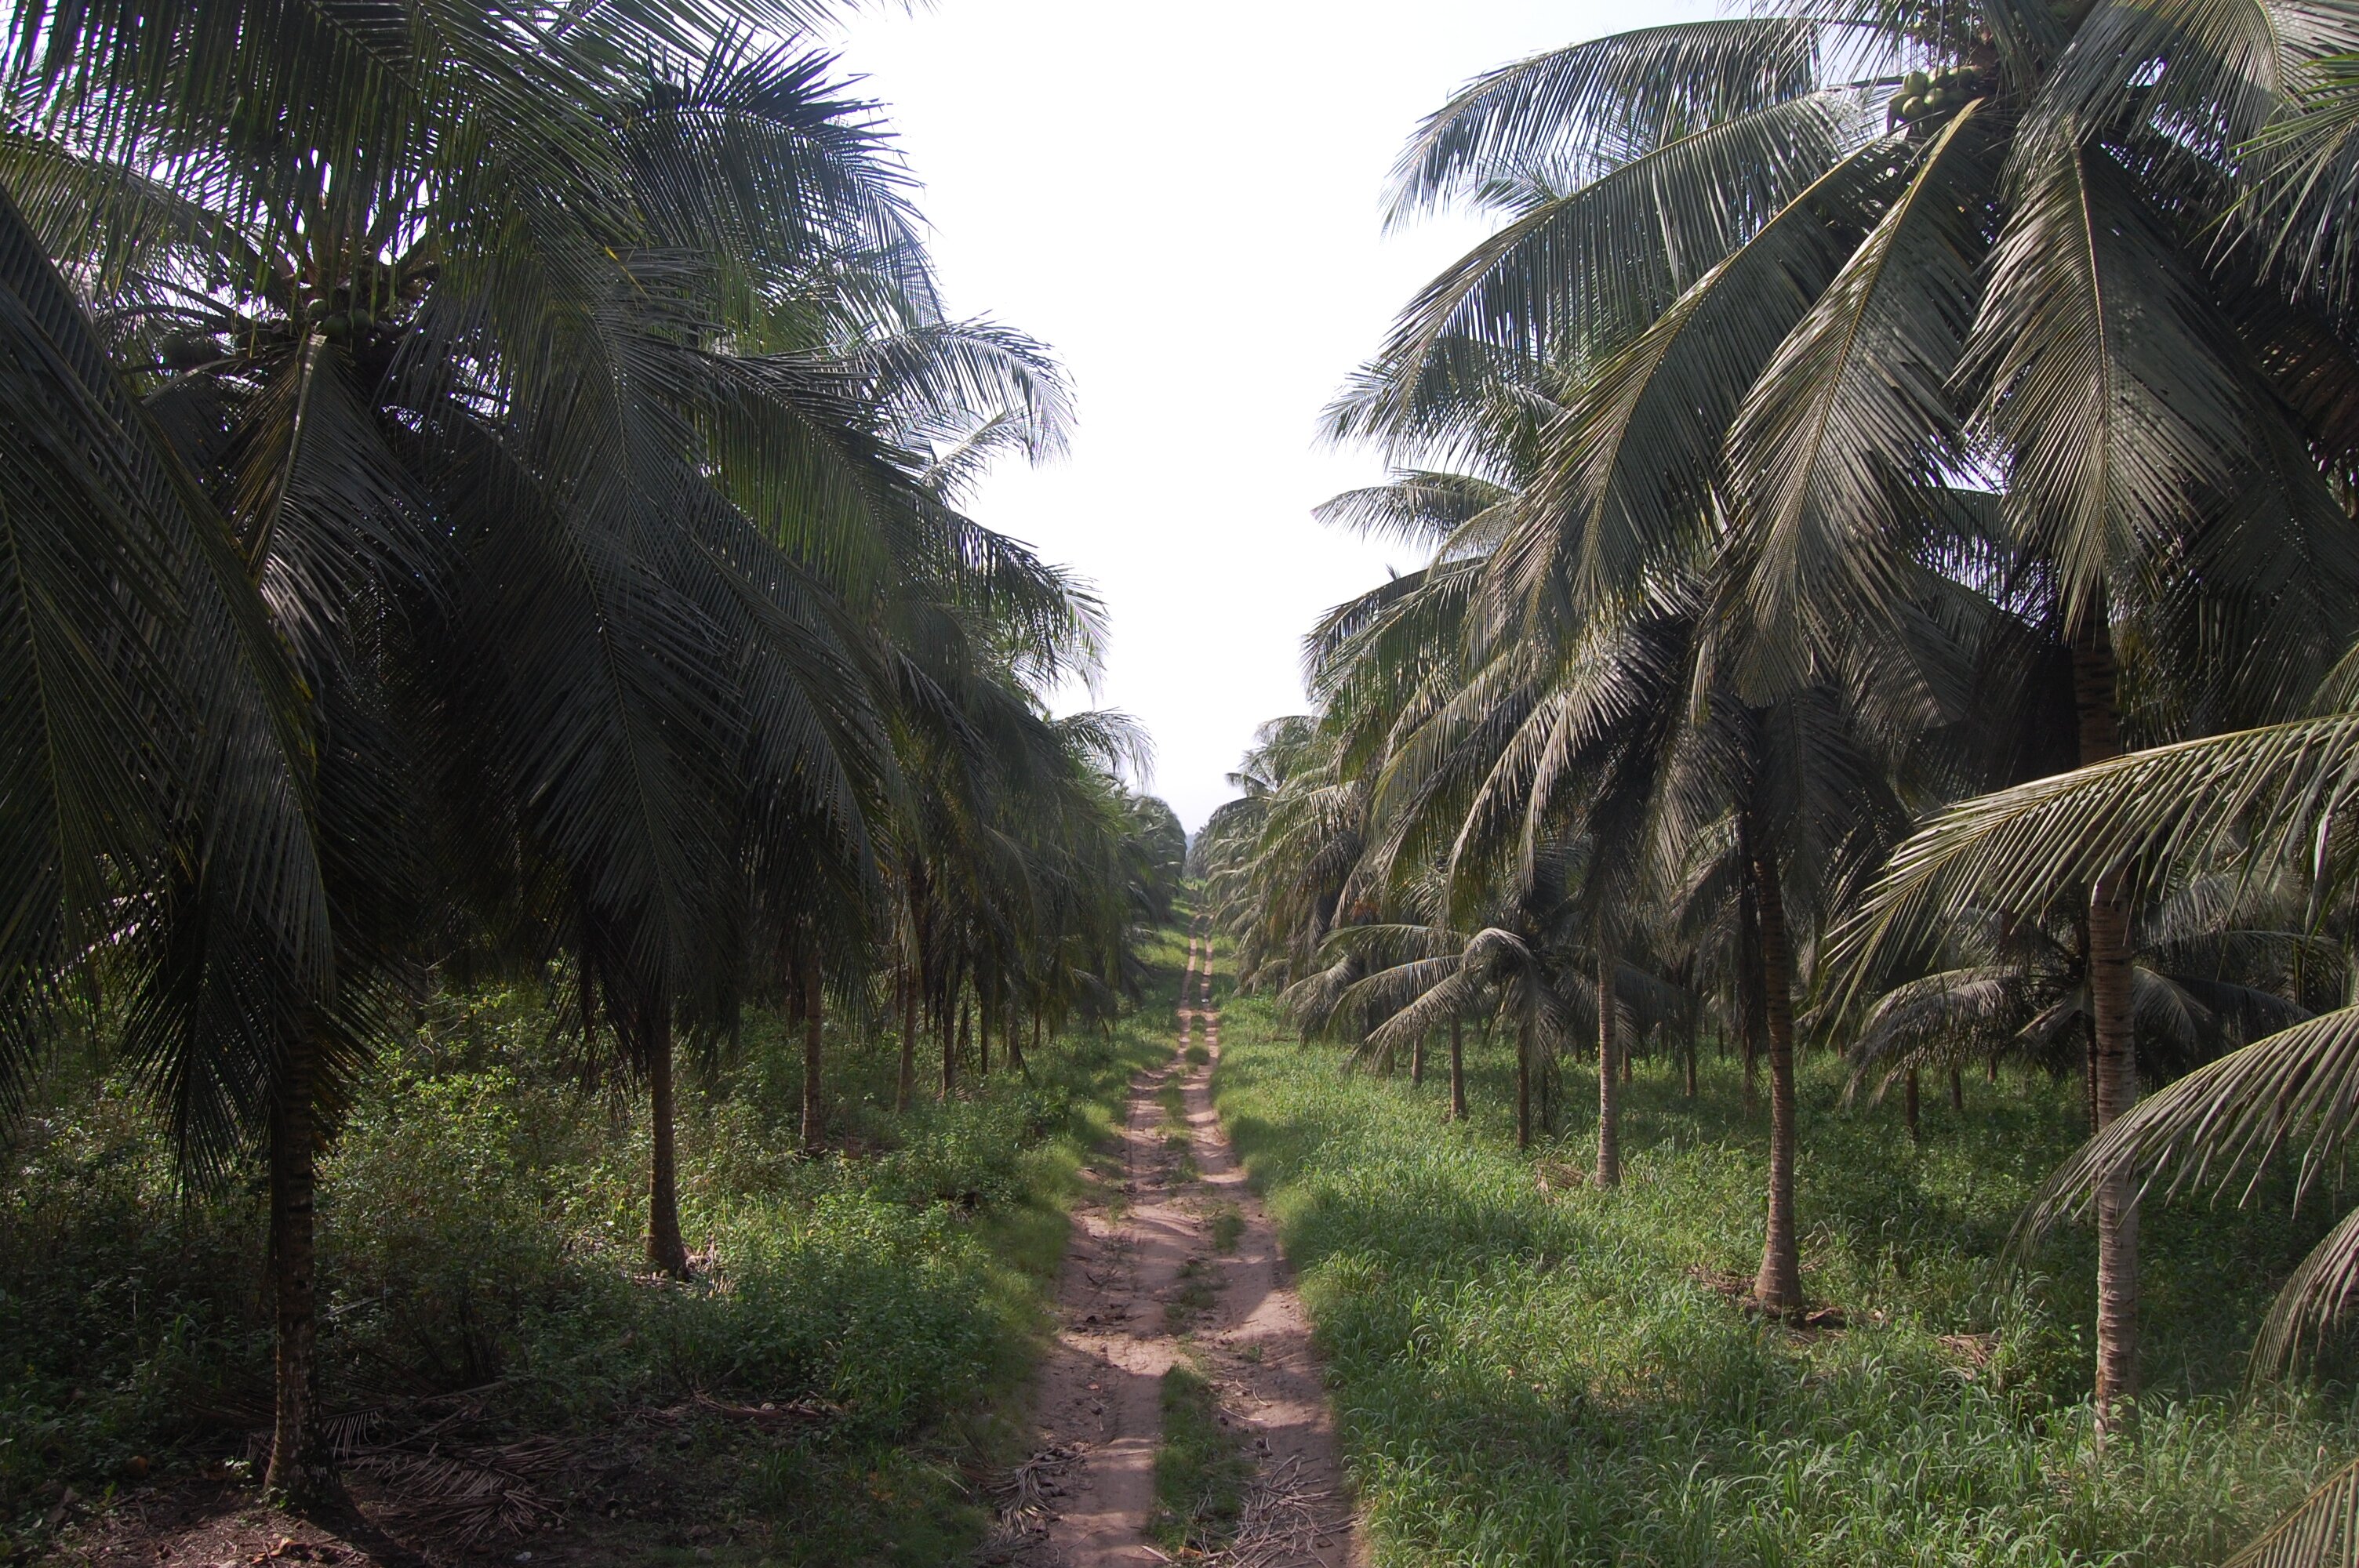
1860, 411
482, 493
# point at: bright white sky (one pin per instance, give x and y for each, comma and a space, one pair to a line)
1184, 202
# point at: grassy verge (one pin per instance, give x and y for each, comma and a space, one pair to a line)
1199, 1471
481, 1225
1526, 1374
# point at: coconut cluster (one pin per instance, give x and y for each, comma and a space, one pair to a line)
364, 310
1923, 97
356, 309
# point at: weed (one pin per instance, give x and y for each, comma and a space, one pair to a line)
1198, 1287
1228, 1224
1200, 1470
1199, 1056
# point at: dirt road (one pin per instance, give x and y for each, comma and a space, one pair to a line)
1173, 1259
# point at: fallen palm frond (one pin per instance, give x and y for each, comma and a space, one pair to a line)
467, 1493
1282, 1521
2324, 1532
436, 1471
1020, 1503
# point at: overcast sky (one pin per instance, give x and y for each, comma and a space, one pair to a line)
1184, 202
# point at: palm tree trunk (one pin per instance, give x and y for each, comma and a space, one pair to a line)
1524, 1084
1908, 1106
1016, 1046
814, 1119
2088, 1078
1779, 1286
947, 1031
983, 1034
294, 1472
1416, 1062
966, 1025
1957, 1090
906, 1087
1609, 1107
666, 1252
2115, 1062
1457, 1074
1752, 993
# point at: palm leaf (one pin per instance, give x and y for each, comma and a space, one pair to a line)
2324, 1532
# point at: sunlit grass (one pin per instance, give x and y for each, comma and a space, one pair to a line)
1526, 1377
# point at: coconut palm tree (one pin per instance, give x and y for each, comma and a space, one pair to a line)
1820, 267
575, 546
2203, 981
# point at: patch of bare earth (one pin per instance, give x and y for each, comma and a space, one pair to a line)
1147, 1280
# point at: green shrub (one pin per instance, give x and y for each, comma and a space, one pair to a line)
481, 1226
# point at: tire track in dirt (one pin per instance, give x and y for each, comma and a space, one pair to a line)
1126, 1302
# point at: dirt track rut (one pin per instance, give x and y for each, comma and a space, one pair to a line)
1144, 1285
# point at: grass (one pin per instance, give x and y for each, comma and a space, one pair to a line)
1195, 1294
1531, 1377
1178, 1136
1198, 1055
481, 1224
1200, 1470
1227, 1227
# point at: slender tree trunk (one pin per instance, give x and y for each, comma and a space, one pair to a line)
1524, 1084
1909, 1107
1457, 1073
814, 1118
905, 1087
589, 1015
983, 1034
1545, 1079
1416, 1062
1752, 992
1609, 1106
1691, 1060
1016, 1046
666, 1252
2088, 1078
2116, 1061
1779, 1286
949, 1050
966, 1025
1957, 1090
296, 1472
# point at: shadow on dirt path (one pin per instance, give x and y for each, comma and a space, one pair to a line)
1172, 1258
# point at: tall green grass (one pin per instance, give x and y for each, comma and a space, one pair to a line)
1536, 1375
481, 1226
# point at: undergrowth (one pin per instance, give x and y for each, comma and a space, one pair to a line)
482, 1223
1534, 1377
